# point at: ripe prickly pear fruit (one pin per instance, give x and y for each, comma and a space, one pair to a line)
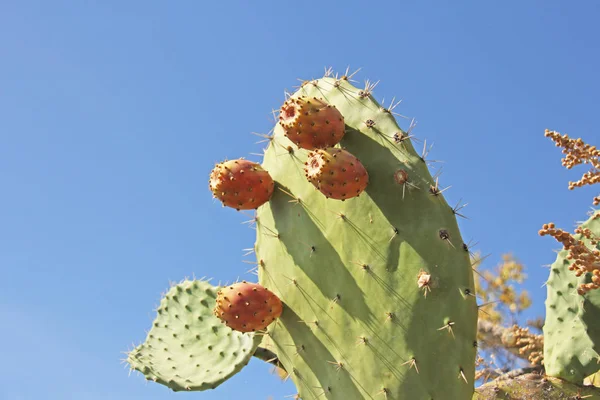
337, 173
311, 123
241, 184
247, 307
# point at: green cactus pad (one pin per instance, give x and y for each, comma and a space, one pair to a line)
572, 327
356, 324
188, 348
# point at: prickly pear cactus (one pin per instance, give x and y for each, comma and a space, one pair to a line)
378, 289
572, 326
188, 348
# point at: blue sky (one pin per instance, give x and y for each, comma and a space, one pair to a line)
112, 115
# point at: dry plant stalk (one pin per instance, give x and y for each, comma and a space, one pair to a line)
583, 259
528, 344
576, 153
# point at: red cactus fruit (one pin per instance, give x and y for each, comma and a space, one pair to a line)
311, 123
247, 307
336, 173
241, 184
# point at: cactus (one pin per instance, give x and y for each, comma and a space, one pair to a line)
378, 289
188, 348
572, 328
357, 241
370, 286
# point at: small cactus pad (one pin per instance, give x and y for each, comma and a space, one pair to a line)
188, 348
311, 123
572, 325
336, 173
241, 184
378, 289
247, 307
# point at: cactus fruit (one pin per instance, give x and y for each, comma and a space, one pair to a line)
572, 326
336, 173
241, 184
353, 275
247, 307
311, 123
188, 348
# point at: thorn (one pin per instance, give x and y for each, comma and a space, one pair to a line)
444, 235
413, 363
349, 77
462, 374
368, 90
480, 306
413, 124
391, 107
293, 281
435, 190
362, 340
251, 221
457, 208
448, 326
268, 138
364, 266
467, 247
339, 365
328, 72
274, 113
339, 215
425, 153
480, 260
396, 232
295, 199
302, 83
335, 300
272, 233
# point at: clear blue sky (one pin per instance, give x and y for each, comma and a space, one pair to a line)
113, 113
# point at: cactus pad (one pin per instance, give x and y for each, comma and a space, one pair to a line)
572, 326
378, 289
188, 348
